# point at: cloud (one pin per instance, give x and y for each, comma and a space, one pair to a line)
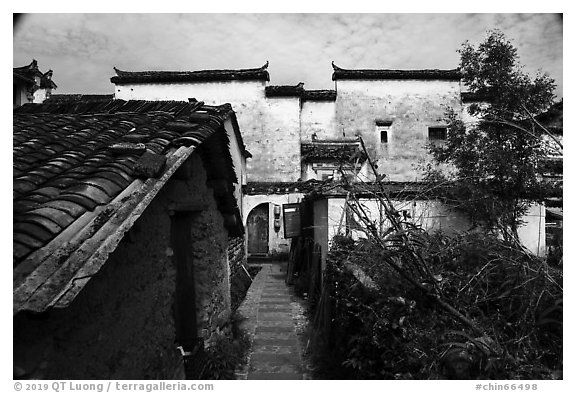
83, 48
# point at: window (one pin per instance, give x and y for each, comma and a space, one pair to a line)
384, 136
437, 133
383, 127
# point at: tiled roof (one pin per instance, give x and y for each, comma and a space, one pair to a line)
84, 172
332, 151
66, 98
285, 91
259, 188
319, 95
359, 74
369, 189
29, 72
123, 77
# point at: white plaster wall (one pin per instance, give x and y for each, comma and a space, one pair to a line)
277, 147
276, 241
433, 216
533, 233
270, 127
237, 161
212, 93
318, 117
39, 96
411, 105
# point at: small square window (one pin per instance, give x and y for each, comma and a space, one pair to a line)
437, 133
384, 136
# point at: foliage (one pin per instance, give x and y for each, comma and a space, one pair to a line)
496, 159
397, 332
227, 351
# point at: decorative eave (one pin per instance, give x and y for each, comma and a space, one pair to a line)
387, 74
338, 189
30, 69
255, 74
259, 188
285, 91
46, 81
319, 95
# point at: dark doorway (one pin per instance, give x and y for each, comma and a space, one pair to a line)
185, 314
257, 224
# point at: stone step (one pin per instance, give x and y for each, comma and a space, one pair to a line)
274, 376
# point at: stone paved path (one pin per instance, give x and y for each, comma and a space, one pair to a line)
272, 315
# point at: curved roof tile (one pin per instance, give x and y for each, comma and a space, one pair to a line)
123, 77
376, 74
66, 178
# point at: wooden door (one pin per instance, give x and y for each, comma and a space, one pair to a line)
257, 224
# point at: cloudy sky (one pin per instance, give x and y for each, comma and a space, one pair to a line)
83, 48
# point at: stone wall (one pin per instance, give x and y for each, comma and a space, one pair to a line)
236, 254
121, 326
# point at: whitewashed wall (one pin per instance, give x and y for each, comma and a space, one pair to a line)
318, 117
276, 240
411, 105
431, 215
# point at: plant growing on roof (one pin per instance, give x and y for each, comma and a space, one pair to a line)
496, 159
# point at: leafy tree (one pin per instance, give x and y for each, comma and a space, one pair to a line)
495, 160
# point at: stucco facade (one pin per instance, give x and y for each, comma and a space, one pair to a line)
411, 107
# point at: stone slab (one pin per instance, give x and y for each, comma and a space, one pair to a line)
275, 376
288, 328
291, 342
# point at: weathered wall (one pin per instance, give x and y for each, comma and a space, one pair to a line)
412, 106
209, 249
429, 214
270, 127
533, 233
212, 93
238, 160
276, 241
121, 326
319, 117
236, 254
276, 149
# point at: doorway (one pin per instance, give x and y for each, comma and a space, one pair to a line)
257, 227
185, 312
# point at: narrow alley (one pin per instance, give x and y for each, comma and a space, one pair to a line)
275, 322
